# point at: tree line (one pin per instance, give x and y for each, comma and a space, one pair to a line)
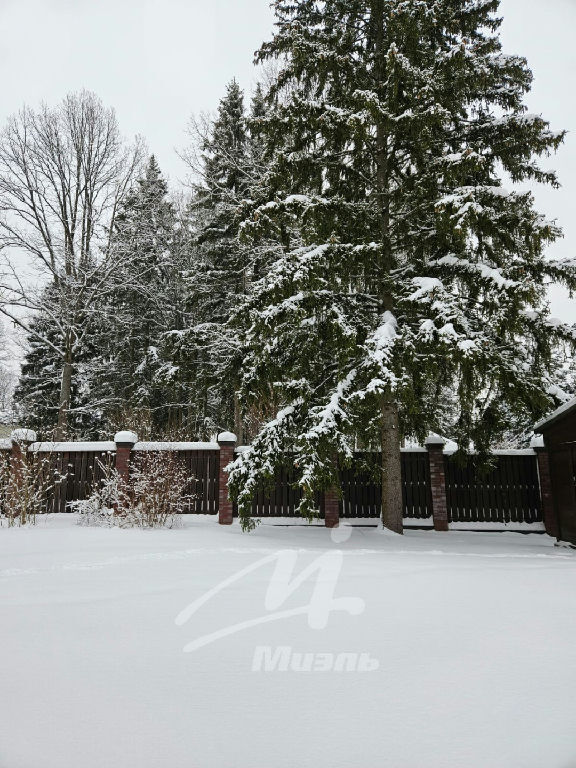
355, 264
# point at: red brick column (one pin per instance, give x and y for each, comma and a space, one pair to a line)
331, 508
435, 447
125, 441
548, 511
227, 443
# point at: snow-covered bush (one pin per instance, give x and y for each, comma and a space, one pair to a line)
25, 488
107, 500
158, 490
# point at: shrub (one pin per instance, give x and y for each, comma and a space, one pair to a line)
155, 494
25, 487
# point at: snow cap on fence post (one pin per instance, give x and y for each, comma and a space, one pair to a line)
21, 439
126, 436
434, 439
227, 443
227, 437
544, 477
24, 437
125, 440
435, 446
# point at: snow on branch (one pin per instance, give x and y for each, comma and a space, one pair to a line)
478, 269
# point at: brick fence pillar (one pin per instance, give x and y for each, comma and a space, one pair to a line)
227, 443
435, 447
125, 442
548, 511
331, 508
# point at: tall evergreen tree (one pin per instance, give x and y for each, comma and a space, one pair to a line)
144, 304
205, 356
403, 264
37, 395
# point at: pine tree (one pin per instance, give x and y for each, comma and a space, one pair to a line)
403, 264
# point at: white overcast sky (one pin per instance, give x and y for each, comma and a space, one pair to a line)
159, 61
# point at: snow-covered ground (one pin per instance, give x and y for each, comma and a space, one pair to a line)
473, 637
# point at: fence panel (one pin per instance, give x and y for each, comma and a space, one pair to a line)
73, 474
282, 499
70, 471
509, 492
361, 492
202, 466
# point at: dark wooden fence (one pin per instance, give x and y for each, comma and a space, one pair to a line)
509, 492
283, 498
74, 469
202, 466
361, 492
506, 493
72, 473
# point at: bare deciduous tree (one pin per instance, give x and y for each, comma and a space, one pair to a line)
63, 173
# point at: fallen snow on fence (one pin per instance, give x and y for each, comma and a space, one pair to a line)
147, 446
108, 445
48, 447
438, 651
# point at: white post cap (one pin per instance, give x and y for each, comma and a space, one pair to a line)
126, 436
537, 442
23, 436
226, 437
434, 439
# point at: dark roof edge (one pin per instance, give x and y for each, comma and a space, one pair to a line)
556, 415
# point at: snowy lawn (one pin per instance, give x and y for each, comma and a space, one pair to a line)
475, 636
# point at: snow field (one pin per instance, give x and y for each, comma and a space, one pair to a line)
473, 634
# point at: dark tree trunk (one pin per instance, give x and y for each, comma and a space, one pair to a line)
65, 397
238, 422
392, 508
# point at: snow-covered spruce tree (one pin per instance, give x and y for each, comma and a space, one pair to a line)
142, 304
405, 265
37, 393
37, 396
205, 355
